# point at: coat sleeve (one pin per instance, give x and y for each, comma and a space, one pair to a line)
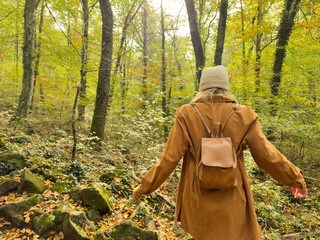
175, 149
271, 160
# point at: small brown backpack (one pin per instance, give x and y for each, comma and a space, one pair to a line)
217, 167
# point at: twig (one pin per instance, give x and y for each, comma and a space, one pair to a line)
164, 198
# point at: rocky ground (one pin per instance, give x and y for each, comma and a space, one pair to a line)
43, 195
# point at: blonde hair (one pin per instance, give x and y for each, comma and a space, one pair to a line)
209, 93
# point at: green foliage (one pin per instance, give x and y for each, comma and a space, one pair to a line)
76, 169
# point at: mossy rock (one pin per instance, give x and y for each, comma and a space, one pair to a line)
61, 186
126, 230
109, 176
10, 162
14, 211
43, 224
31, 183
8, 185
96, 198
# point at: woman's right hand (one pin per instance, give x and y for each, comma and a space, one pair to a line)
299, 193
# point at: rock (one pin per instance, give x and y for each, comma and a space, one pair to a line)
74, 226
96, 198
142, 214
94, 215
7, 185
31, 183
109, 176
127, 231
43, 224
10, 162
101, 236
61, 186
14, 211
75, 193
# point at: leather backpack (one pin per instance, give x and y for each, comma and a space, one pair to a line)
218, 164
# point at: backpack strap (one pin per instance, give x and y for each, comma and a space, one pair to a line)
221, 126
202, 119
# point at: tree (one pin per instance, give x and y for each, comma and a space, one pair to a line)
196, 39
38, 55
163, 74
221, 32
287, 21
28, 58
102, 94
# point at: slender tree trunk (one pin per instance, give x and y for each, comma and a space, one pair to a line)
84, 61
163, 76
258, 46
28, 59
243, 39
102, 95
144, 49
17, 41
38, 53
123, 87
196, 39
287, 21
129, 18
221, 32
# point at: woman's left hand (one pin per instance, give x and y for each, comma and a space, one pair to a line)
136, 194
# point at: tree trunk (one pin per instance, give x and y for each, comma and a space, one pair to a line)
163, 76
28, 59
84, 61
129, 17
145, 60
287, 21
196, 39
38, 54
221, 32
258, 46
102, 95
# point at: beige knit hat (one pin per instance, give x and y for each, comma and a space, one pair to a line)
212, 77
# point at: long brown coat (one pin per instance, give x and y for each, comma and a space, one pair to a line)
222, 214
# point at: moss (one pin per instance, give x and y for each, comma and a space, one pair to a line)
30, 183
61, 186
44, 224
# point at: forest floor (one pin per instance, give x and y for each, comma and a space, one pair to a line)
49, 145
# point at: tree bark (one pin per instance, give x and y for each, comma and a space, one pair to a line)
163, 76
258, 46
102, 95
287, 21
196, 39
84, 61
38, 54
28, 59
145, 52
221, 32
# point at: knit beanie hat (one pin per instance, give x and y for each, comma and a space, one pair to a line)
212, 77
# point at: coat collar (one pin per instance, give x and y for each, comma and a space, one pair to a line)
216, 98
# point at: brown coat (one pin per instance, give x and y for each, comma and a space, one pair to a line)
222, 214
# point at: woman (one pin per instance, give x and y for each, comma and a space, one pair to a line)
218, 214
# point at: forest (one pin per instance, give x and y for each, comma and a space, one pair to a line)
88, 95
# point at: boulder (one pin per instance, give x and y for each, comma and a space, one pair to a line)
73, 224
10, 162
127, 231
109, 176
8, 185
14, 211
43, 224
94, 215
61, 186
31, 183
96, 198
142, 214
